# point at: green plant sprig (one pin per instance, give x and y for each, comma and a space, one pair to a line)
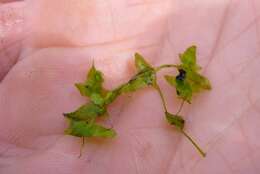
187, 83
82, 122
185, 79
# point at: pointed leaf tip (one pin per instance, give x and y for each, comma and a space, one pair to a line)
140, 63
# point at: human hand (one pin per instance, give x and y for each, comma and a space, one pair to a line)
55, 49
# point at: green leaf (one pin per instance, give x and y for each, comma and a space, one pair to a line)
87, 112
175, 120
198, 82
140, 63
145, 77
183, 88
112, 95
141, 80
179, 122
84, 129
97, 99
93, 84
83, 89
189, 80
188, 59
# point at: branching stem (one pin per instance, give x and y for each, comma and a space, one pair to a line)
157, 87
166, 66
180, 108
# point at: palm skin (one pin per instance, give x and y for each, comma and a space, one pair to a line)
62, 38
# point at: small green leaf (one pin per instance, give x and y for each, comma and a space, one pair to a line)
97, 99
188, 81
179, 123
198, 82
183, 88
140, 63
93, 84
175, 120
188, 59
92, 87
189, 56
112, 95
146, 76
141, 80
84, 129
87, 112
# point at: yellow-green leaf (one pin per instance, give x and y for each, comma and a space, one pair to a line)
97, 99
141, 80
183, 88
175, 120
189, 81
188, 59
198, 82
112, 95
140, 63
87, 112
93, 84
84, 129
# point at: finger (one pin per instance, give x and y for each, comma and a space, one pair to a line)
59, 23
11, 35
97, 27
113, 26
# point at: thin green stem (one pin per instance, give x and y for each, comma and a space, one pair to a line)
157, 87
194, 143
166, 66
180, 108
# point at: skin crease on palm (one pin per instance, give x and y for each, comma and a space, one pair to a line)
47, 46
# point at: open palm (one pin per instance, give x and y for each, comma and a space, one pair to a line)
57, 43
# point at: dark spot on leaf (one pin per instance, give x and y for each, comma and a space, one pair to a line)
181, 76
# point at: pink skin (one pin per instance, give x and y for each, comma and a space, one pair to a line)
61, 38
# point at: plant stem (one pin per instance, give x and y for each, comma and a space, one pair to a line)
166, 66
157, 87
195, 144
180, 108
